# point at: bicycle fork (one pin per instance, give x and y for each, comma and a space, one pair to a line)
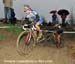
28, 37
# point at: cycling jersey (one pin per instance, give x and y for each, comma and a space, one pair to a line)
33, 16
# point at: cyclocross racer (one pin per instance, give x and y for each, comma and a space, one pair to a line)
32, 15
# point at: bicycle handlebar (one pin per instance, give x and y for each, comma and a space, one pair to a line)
27, 26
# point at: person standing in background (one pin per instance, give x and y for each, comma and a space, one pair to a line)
13, 18
7, 9
54, 18
63, 17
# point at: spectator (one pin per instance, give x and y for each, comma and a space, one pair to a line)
63, 17
7, 9
54, 18
13, 18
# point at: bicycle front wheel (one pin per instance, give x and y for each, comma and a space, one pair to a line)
25, 43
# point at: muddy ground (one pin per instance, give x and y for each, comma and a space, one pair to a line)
46, 53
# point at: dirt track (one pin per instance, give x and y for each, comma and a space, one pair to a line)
47, 52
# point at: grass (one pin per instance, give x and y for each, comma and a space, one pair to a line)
2, 37
16, 30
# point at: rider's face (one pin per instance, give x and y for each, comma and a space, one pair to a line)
27, 12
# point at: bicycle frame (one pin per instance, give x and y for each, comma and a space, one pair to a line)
28, 38
47, 35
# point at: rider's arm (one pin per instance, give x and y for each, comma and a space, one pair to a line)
37, 17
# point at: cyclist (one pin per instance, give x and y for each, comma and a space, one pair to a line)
58, 30
32, 15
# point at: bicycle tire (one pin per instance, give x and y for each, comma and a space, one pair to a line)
24, 47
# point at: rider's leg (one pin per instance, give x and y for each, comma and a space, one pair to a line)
54, 37
37, 25
58, 40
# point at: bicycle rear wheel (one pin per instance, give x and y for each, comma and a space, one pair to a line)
25, 43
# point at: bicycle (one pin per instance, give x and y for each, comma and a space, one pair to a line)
26, 39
